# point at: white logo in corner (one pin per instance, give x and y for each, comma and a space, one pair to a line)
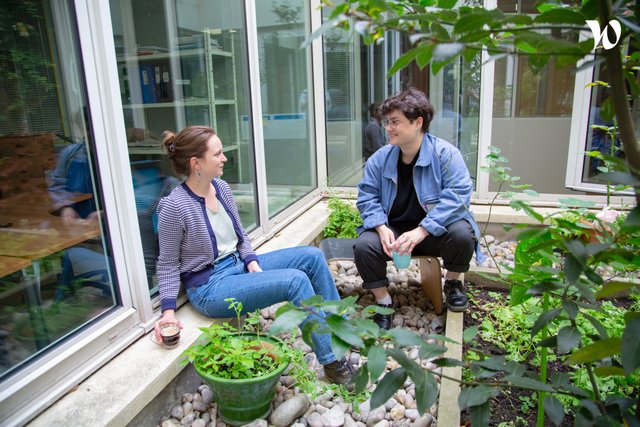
604, 35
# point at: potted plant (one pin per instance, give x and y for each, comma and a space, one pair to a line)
242, 365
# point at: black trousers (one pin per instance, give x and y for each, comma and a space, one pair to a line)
456, 247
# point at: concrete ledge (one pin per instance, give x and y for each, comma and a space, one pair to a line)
119, 391
448, 408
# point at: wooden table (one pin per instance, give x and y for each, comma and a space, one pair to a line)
9, 265
21, 248
44, 235
37, 201
35, 243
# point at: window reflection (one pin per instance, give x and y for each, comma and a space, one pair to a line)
55, 265
182, 63
285, 81
346, 86
601, 133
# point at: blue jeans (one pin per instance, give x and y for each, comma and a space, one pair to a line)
292, 274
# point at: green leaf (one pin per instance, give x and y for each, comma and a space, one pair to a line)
526, 207
495, 363
339, 347
405, 337
306, 331
314, 300
631, 345
447, 362
346, 331
440, 31
436, 66
528, 383
404, 60
572, 269
387, 387
480, 415
554, 410
546, 6
424, 56
568, 338
595, 351
447, 4
377, 361
614, 287
470, 333
426, 392
287, 321
361, 379
561, 16
602, 331
633, 219
430, 350
474, 21
571, 308
474, 396
410, 366
544, 319
576, 203
608, 371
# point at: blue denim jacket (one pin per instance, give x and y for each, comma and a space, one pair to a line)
441, 179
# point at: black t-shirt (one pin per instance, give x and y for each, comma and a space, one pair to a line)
406, 212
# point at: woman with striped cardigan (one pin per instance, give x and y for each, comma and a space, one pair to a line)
204, 247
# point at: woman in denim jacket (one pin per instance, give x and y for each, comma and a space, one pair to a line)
414, 198
204, 247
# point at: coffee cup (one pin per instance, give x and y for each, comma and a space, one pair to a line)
170, 333
401, 260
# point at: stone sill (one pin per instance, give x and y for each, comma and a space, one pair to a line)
121, 389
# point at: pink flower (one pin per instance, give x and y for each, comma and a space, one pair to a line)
607, 214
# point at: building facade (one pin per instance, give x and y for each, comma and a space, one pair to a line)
89, 88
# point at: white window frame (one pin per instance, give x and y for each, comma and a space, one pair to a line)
578, 136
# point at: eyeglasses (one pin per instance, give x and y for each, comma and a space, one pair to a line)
391, 123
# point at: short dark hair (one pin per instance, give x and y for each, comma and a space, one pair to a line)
413, 103
189, 142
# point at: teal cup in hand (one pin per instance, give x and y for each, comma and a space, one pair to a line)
401, 261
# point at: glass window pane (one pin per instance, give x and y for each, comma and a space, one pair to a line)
285, 81
455, 95
183, 63
598, 139
548, 93
348, 100
56, 274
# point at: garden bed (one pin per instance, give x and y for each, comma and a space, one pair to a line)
502, 332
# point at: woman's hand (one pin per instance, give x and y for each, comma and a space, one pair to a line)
168, 316
254, 267
386, 239
406, 242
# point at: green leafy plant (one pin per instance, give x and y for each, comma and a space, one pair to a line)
343, 219
237, 352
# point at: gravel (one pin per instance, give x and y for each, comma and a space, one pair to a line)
292, 407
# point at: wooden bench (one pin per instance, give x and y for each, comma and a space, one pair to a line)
337, 249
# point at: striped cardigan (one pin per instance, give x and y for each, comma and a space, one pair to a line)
188, 244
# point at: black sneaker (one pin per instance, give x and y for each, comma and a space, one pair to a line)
456, 298
383, 320
339, 372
